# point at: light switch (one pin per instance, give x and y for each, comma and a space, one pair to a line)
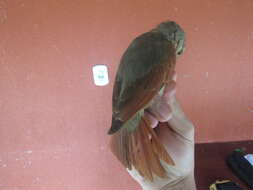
100, 75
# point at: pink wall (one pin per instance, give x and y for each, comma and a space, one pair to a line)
53, 120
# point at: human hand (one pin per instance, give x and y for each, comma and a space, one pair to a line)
177, 135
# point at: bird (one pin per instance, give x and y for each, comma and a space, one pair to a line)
145, 68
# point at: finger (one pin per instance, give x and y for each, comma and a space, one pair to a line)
171, 86
169, 91
161, 111
153, 121
180, 123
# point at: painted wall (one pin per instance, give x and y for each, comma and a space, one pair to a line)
53, 120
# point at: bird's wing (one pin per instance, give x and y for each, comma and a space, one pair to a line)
144, 68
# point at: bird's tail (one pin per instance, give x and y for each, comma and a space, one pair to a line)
141, 149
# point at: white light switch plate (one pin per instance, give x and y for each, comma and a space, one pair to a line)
100, 75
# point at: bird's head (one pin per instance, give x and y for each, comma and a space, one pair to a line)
175, 34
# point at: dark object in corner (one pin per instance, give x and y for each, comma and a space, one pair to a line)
224, 185
241, 167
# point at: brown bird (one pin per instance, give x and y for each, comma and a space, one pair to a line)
145, 68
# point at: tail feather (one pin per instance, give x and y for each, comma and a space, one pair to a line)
154, 161
144, 162
158, 147
141, 149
